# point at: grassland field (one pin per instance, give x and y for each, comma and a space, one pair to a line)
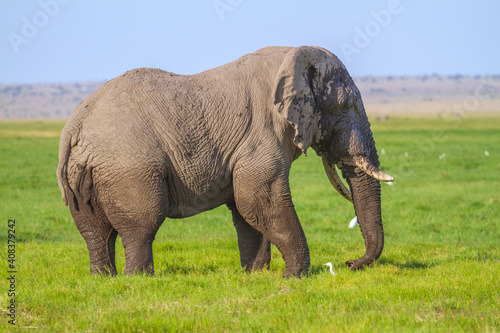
439, 272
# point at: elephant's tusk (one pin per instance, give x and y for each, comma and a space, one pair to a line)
364, 164
334, 178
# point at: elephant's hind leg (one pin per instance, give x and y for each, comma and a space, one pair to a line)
100, 237
102, 253
137, 207
138, 231
138, 252
255, 249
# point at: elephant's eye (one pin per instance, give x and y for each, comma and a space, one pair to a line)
341, 109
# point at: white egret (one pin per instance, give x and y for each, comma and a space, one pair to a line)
329, 264
354, 222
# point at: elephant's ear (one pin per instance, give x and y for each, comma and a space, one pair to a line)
294, 96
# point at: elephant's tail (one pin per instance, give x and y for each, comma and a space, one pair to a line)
79, 192
62, 167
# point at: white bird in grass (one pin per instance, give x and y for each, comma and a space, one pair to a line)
354, 222
329, 264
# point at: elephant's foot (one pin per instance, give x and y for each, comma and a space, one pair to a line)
106, 269
148, 270
259, 260
261, 263
256, 260
295, 272
359, 263
298, 266
139, 255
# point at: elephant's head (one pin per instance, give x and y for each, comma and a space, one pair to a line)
317, 96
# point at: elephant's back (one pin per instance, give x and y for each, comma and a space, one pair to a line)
127, 105
148, 116
132, 91
116, 124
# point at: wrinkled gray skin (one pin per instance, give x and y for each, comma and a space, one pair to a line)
150, 144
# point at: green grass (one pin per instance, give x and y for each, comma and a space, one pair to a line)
440, 269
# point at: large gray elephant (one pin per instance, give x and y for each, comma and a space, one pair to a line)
151, 144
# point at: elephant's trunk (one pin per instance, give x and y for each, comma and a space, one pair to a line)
366, 198
355, 154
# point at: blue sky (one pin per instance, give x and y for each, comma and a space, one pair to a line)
76, 40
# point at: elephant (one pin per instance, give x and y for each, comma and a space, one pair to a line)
150, 145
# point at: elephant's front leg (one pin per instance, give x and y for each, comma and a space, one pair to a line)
264, 201
255, 249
